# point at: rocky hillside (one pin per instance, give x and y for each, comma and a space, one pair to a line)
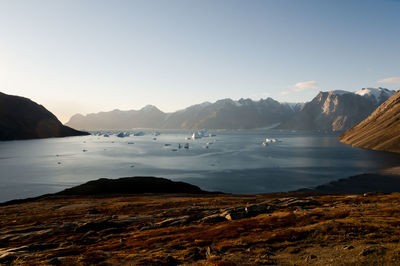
380, 131
223, 114
337, 110
21, 118
172, 229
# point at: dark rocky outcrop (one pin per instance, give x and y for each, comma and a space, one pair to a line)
380, 131
132, 185
21, 118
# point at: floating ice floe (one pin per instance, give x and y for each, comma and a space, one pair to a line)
267, 141
264, 143
138, 134
196, 136
123, 135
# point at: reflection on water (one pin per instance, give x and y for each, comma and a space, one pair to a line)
232, 161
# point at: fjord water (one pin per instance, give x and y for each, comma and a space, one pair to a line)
234, 162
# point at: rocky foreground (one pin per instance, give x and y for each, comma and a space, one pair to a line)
217, 229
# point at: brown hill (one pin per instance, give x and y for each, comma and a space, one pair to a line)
21, 118
379, 131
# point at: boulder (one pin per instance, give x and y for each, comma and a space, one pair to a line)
234, 213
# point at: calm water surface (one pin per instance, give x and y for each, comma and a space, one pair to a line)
235, 162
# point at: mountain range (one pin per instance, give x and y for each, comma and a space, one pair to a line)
223, 114
21, 118
337, 110
380, 131
328, 111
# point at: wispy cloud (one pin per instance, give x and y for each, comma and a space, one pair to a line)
390, 80
305, 85
285, 92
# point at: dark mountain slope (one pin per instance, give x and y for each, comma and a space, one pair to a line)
21, 118
380, 131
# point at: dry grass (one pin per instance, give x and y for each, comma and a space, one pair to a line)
343, 230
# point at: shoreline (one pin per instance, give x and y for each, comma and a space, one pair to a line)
384, 181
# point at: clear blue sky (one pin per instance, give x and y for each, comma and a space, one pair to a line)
88, 56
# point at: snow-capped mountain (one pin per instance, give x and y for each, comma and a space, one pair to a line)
337, 110
380, 94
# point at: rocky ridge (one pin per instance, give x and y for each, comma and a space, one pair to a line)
337, 110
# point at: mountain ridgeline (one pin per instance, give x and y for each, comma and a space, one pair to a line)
337, 110
328, 111
223, 114
21, 118
380, 131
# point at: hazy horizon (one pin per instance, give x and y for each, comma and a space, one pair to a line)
90, 56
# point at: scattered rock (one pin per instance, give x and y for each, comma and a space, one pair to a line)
96, 226
8, 257
234, 213
295, 202
378, 250
215, 218
54, 261
90, 234
181, 220
348, 247
208, 252
194, 254
256, 209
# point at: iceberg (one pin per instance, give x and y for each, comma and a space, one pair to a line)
138, 134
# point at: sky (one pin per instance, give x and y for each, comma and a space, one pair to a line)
85, 56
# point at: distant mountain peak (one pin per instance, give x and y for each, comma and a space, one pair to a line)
339, 92
149, 108
378, 93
